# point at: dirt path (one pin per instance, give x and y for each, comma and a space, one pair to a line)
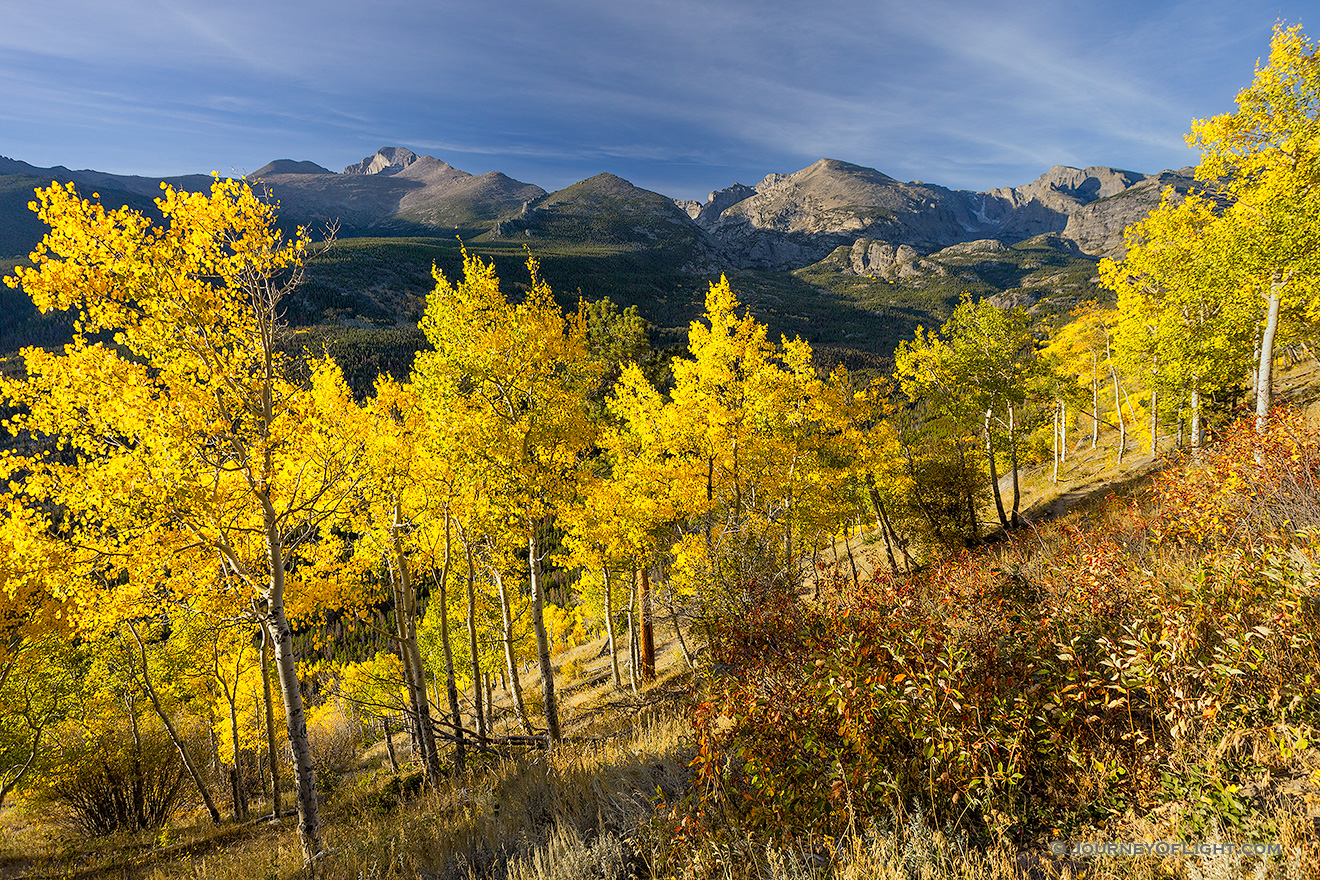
1082, 493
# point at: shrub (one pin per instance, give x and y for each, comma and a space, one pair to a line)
335, 735
571, 671
111, 781
1048, 682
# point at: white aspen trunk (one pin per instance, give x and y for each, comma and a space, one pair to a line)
240, 789
877, 506
139, 805
304, 772
609, 627
425, 723
451, 684
415, 747
428, 722
788, 520
1095, 401
490, 699
405, 615
542, 638
971, 507
632, 635
1057, 445
1063, 430
678, 631
262, 776
1255, 368
472, 639
10, 783
1013, 461
515, 686
389, 744
852, 563
1154, 423
184, 755
893, 534
272, 756
1118, 411
1132, 410
994, 472
1198, 436
1265, 374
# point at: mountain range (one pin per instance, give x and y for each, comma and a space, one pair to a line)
844, 255
782, 223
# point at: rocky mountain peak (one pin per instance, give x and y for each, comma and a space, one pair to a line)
1064, 185
717, 203
387, 160
290, 166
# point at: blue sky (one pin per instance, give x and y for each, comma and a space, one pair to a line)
677, 96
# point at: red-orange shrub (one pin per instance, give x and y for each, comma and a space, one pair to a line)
1039, 683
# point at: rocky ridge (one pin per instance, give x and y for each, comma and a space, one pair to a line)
396, 190
787, 221
891, 229
386, 160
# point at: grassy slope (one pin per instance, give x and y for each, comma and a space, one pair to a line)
592, 808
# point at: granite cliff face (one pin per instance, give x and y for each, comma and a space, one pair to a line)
787, 221
387, 160
1098, 226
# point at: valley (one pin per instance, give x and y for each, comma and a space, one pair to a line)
845, 256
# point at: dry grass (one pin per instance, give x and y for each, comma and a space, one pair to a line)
576, 810
915, 851
586, 797
596, 806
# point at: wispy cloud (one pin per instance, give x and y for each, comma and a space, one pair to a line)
970, 94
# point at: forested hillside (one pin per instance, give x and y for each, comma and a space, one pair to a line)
381, 584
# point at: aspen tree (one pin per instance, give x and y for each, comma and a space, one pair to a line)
36, 683
980, 366
513, 379
190, 463
1266, 155
1184, 323
401, 494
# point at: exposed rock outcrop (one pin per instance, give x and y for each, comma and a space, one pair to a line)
877, 258
980, 246
805, 215
1098, 227
1045, 204
691, 207
720, 201
386, 160
787, 221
